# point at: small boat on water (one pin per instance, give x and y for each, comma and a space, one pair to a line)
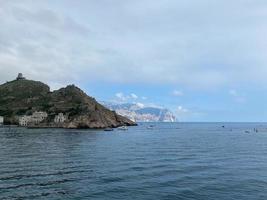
150, 127
108, 129
123, 128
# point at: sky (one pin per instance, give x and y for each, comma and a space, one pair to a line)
205, 60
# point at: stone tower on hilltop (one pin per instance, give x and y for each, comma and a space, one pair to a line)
20, 77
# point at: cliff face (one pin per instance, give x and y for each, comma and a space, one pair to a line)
23, 97
141, 113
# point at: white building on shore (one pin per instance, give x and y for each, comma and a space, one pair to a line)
60, 118
37, 117
24, 120
33, 119
1, 120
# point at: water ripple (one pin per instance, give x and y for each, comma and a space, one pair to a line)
190, 161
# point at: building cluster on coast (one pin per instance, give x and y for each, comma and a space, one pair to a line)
32, 104
38, 117
33, 119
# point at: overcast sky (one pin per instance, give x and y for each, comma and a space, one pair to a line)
206, 60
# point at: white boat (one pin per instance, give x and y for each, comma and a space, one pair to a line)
123, 128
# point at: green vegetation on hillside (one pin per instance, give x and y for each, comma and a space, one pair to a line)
23, 97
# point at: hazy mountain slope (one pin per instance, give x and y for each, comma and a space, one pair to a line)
140, 113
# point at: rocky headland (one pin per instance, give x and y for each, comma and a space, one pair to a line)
23, 97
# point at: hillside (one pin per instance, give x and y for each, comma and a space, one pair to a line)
23, 97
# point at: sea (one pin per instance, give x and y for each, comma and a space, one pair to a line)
167, 161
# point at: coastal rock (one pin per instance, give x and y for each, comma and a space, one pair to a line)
23, 97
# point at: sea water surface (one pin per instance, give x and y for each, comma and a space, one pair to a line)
199, 161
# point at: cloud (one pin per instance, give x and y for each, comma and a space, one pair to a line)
46, 18
185, 114
182, 113
140, 105
199, 44
233, 93
236, 96
181, 110
177, 93
41, 45
121, 97
134, 96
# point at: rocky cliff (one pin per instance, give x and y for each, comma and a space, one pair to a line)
23, 97
140, 113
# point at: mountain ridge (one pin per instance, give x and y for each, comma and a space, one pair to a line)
141, 113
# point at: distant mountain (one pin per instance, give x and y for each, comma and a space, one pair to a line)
140, 113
